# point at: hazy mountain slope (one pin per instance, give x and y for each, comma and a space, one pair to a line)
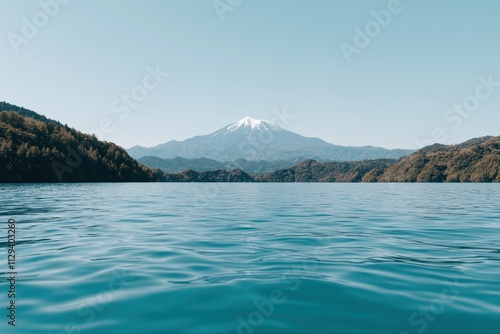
180, 164
203, 164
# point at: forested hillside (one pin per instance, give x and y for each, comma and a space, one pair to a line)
36, 149
477, 160
313, 171
236, 175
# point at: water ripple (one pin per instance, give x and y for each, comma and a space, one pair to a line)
246, 258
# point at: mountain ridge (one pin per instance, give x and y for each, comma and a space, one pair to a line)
476, 160
34, 148
178, 164
252, 139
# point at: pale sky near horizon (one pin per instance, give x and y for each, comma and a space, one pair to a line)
265, 55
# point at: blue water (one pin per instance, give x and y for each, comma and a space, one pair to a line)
254, 258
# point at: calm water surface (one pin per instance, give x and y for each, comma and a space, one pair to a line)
254, 258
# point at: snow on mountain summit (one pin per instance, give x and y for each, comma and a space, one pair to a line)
250, 124
249, 121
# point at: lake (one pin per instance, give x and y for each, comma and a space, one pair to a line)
253, 258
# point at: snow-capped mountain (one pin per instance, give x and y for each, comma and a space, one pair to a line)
248, 125
253, 139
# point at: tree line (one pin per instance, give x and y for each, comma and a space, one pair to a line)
35, 149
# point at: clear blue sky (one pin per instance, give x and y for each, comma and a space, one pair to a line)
265, 54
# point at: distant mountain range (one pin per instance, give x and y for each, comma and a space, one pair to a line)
254, 140
204, 165
477, 160
34, 148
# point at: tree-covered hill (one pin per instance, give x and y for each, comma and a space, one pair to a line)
313, 171
236, 175
36, 149
4, 106
476, 160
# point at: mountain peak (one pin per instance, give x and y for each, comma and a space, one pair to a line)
253, 139
251, 124
249, 121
